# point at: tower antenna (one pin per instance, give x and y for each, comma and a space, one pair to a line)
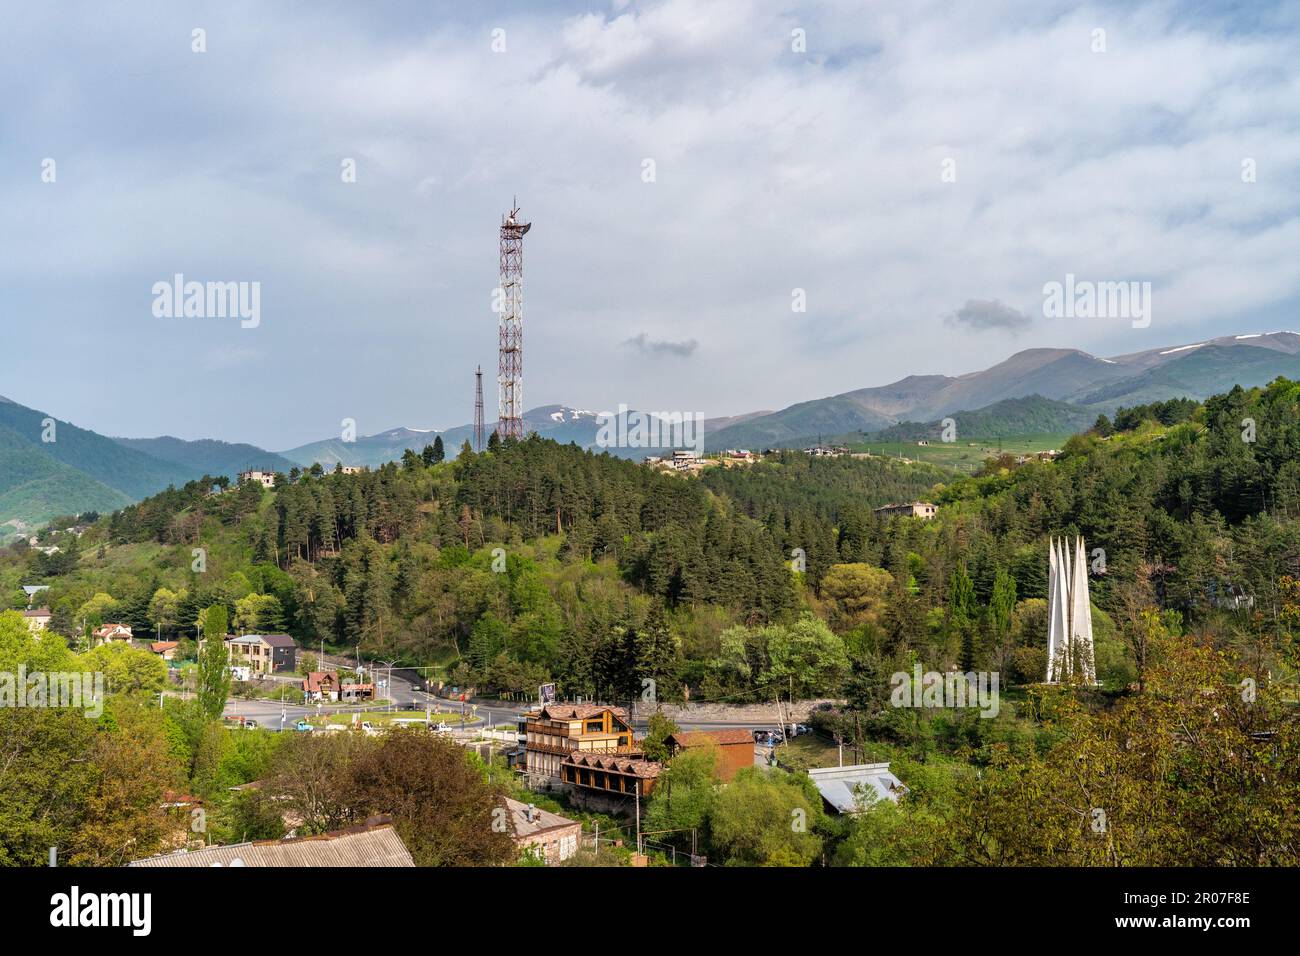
510, 328
478, 409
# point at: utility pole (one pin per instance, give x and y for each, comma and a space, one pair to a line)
638, 817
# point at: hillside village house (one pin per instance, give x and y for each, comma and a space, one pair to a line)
587, 747
555, 730
374, 843
322, 685
165, 649
555, 837
351, 692
264, 478
263, 653
38, 619
735, 747
610, 774
916, 509
109, 633
852, 789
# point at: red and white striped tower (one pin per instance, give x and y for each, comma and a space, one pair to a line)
510, 346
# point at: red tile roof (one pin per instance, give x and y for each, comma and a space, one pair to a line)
315, 678
159, 646
580, 711
628, 765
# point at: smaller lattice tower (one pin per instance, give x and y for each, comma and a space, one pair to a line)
478, 409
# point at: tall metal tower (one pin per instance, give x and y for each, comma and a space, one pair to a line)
510, 346
478, 409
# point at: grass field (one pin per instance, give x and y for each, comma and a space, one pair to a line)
808, 751
964, 455
384, 717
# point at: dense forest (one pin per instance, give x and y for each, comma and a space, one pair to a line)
534, 561
537, 560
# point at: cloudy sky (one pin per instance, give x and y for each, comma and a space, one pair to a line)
919, 170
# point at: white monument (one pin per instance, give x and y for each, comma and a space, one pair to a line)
1069, 615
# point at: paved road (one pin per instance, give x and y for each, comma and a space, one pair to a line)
405, 696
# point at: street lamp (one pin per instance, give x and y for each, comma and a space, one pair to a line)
388, 683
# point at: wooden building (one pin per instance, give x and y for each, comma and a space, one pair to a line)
735, 747
610, 774
557, 730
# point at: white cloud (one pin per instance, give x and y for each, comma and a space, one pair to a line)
775, 170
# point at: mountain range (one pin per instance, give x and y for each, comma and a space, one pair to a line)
558, 422
1099, 385
1034, 391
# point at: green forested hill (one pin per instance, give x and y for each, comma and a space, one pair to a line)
83, 471
1034, 415
208, 456
35, 487
129, 471
523, 561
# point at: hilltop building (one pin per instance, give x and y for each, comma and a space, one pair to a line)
924, 510
264, 478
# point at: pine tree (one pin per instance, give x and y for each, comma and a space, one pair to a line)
656, 654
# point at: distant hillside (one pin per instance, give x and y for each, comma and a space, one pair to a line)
1069, 375
84, 471
369, 450
35, 487
1034, 415
208, 456
129, 471
799, 424
1198, 373
559, 423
